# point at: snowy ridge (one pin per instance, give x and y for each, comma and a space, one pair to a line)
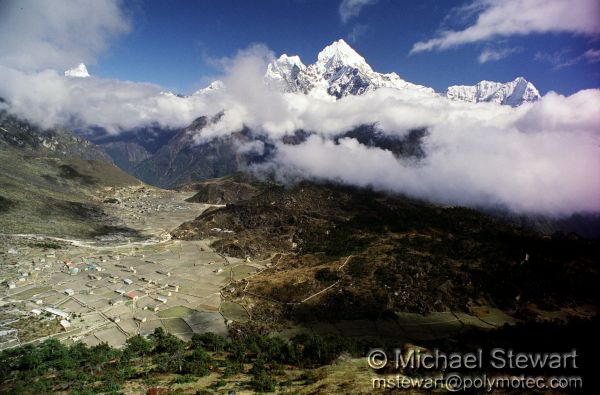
340, 71
214, 86
80, 71
513, 93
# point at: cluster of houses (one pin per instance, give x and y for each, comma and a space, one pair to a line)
159, 294
27, 270
59, 314
73, 270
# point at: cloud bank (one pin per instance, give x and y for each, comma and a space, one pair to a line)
519, 17
542, 157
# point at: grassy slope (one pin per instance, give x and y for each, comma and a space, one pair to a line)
52, 191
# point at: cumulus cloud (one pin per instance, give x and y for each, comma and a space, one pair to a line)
540, 157
49, 99
57, 34
529, 159
351, 8
520, 17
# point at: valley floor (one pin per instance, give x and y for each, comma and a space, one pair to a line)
114, 286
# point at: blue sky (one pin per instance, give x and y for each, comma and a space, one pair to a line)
171, 43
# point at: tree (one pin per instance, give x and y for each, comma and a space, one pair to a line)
238, 351
100, 355
139, 346
198, 362
262, 380
209, 341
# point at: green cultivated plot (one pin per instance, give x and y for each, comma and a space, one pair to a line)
175, 312
176, 325
234, 311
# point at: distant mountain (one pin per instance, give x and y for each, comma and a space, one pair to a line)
80, 71
129, 148
126, 154
340, 71
183, 160
513, 93
170, 157
215, 85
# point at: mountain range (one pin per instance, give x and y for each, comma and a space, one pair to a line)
167, 158
340, 71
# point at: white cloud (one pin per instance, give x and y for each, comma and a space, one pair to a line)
50, 99
561, 59
592, 55
531, 159
57, 34
492, 55
351, 8
520, 17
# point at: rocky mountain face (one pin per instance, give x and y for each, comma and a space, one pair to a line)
130, 148
513, 93
126, 154
56, 142
183, 160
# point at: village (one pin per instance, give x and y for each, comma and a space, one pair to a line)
112, 288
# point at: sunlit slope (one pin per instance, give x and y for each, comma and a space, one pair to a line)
49, 179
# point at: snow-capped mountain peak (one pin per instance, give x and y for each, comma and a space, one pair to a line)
339, 54
338, 72
513, 93
282, 73
214, 86
80, 71
290, 61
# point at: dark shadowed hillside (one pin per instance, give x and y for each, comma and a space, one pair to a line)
387, 254
182, 160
